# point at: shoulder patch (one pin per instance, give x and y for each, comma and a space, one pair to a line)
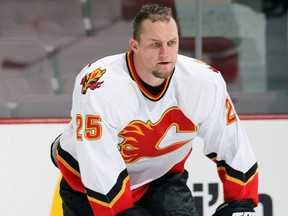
91, 80
207, 65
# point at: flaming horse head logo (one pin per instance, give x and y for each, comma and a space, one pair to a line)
91, 80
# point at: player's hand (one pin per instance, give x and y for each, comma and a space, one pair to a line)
236, 208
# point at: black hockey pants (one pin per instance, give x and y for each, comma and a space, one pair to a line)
166, 196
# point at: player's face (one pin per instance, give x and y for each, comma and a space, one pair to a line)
155, 53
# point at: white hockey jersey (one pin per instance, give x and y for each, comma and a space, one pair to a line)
122, 136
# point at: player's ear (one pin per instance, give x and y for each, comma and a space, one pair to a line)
133, 45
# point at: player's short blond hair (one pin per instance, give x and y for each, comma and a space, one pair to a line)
154, 12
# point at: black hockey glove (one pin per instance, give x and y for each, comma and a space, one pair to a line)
135, 211
236, 208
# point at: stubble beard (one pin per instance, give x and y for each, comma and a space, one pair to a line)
160, 75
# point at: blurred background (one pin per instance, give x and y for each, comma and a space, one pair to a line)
45, 43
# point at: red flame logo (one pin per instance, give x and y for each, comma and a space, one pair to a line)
90, 81
143, 139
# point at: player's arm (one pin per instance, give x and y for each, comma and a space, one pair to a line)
227, 144
103, 171
236, 163
99, 170
98, 115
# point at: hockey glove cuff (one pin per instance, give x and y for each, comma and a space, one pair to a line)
236, 208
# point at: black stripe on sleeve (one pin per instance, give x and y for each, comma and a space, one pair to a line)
244, 177
108, 198
68, 158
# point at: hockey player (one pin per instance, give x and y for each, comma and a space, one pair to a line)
134, 118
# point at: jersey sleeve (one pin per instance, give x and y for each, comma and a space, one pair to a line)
102, 168
226, 143
97, 116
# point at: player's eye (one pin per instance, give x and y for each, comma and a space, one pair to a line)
156, 44
171, 43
